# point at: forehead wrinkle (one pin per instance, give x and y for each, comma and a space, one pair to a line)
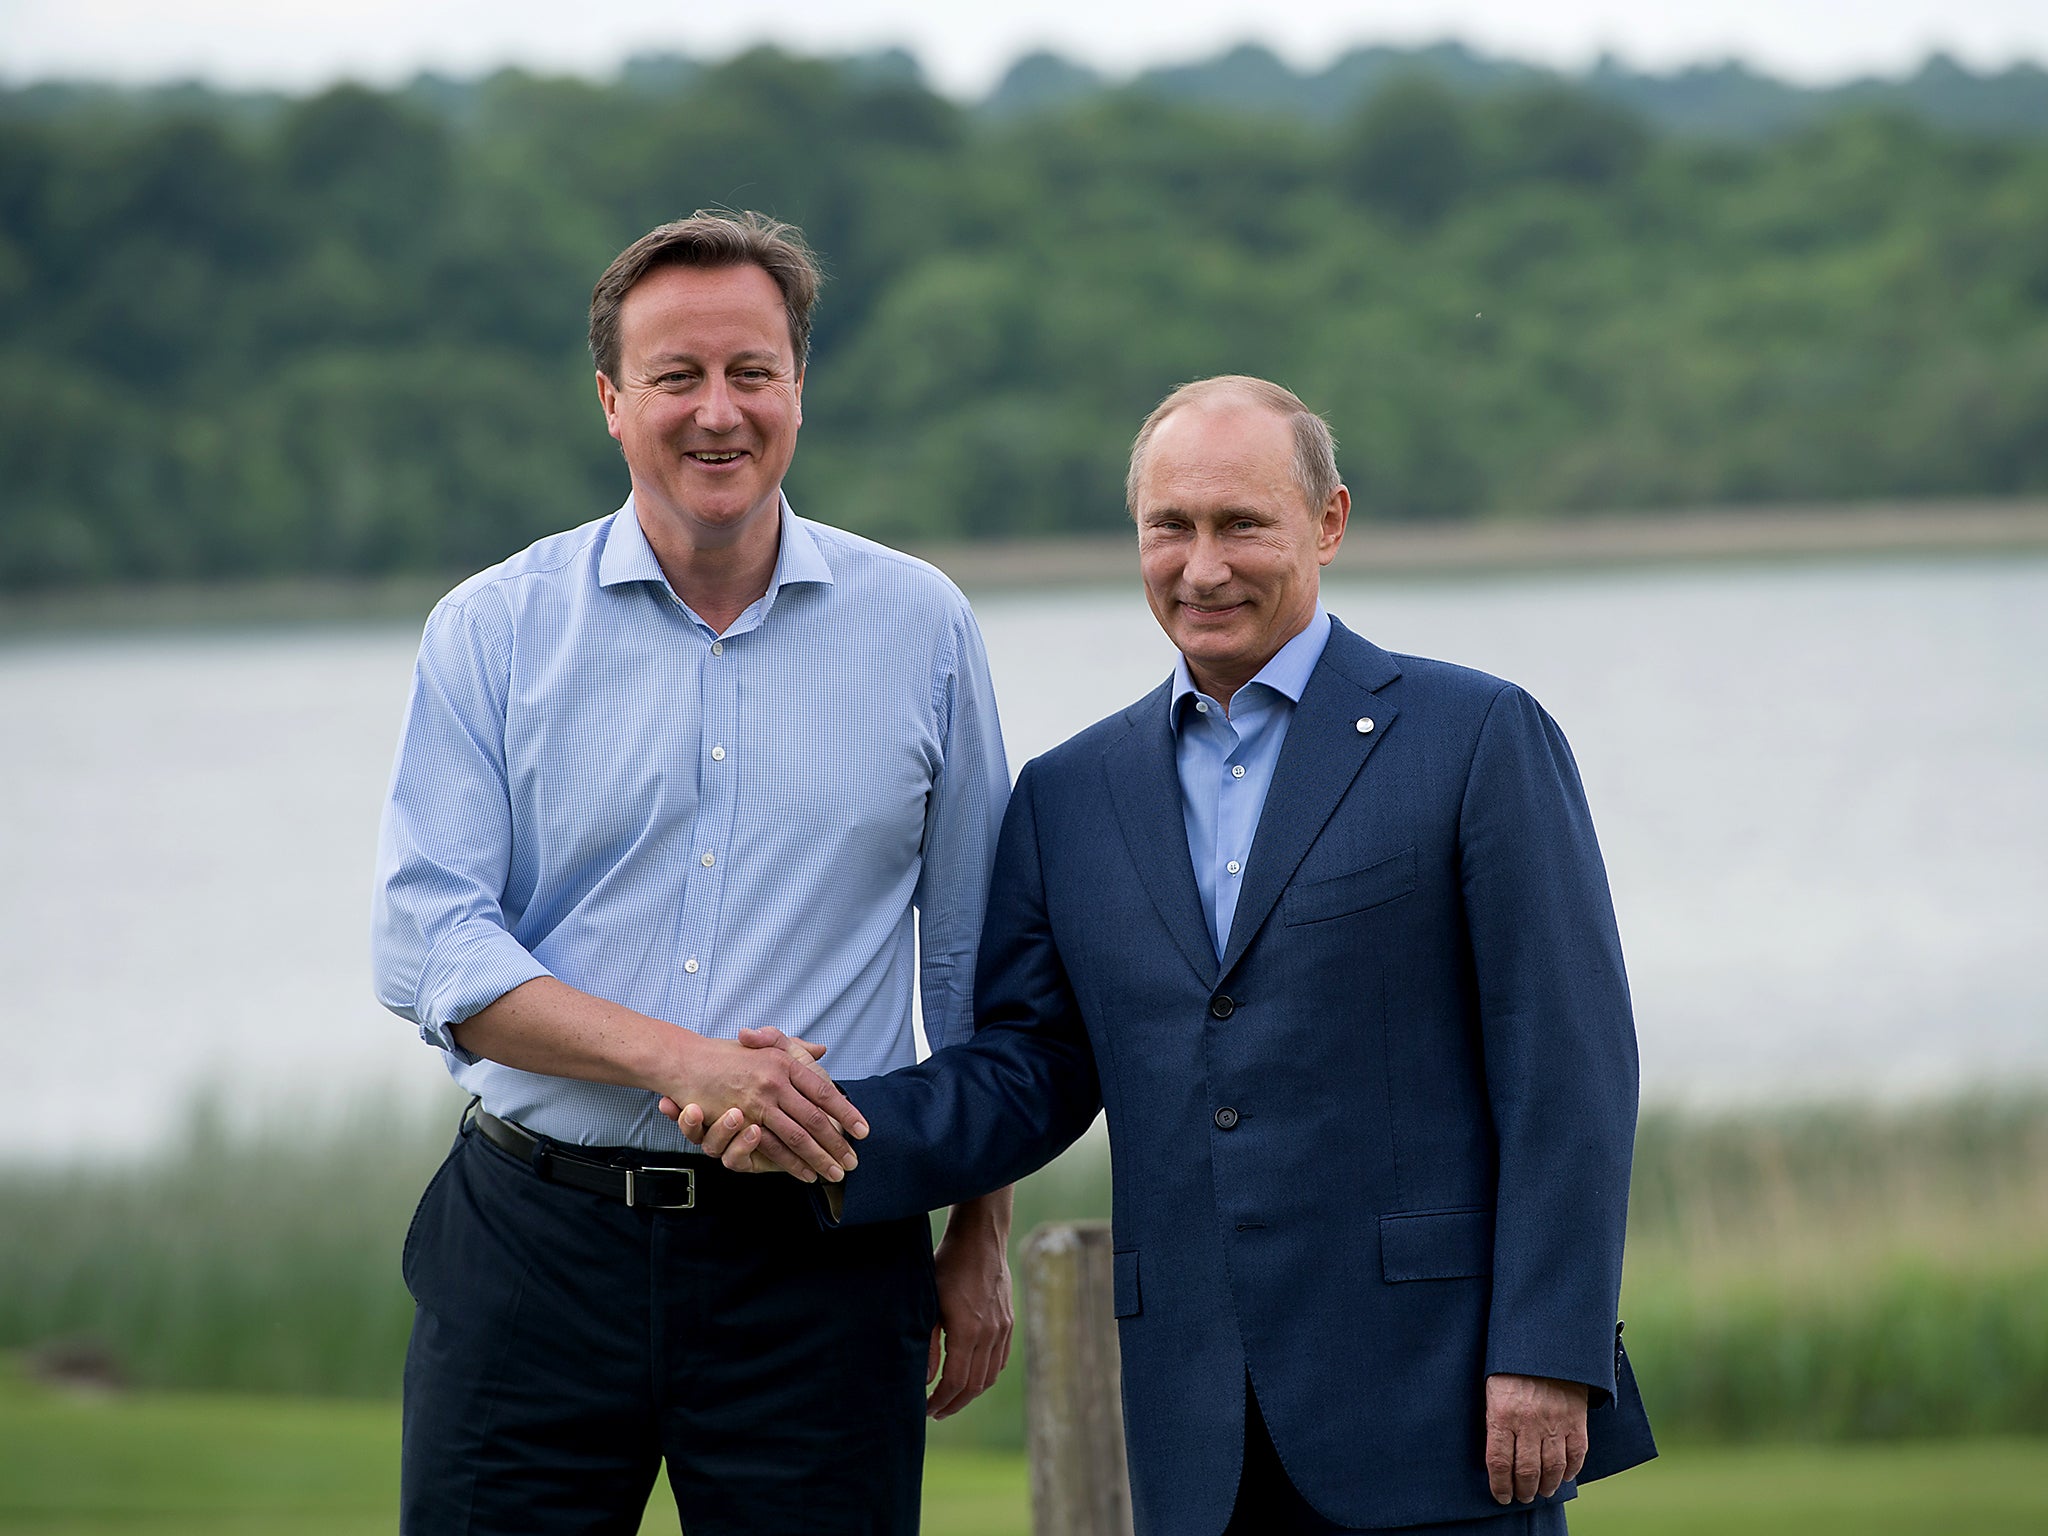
1203, 480
744, 355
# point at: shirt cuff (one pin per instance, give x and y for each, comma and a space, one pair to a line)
472, 967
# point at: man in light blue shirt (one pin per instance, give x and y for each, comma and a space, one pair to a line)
686, 769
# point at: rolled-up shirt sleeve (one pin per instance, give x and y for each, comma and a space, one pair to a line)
963, 817
440, 945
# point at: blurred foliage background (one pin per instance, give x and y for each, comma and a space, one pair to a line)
251, 334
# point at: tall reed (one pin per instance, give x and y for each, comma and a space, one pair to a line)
257, 1260
1836, 1273
1844, 1272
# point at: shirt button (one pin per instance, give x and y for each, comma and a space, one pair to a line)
1233, 866
1237, 770
1201, 706
718, 647
718, 754
1226, 1119
708, 860
690, 966
1365, 725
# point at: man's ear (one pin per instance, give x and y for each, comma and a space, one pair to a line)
608, 398
1335, 517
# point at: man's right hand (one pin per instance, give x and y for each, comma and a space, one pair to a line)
785, 1112
731, 1138
546, 1025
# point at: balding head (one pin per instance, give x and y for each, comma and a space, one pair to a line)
1315, 449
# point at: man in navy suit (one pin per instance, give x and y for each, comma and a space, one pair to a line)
1327, 932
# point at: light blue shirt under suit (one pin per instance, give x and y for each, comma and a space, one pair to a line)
716, 830
1226, 765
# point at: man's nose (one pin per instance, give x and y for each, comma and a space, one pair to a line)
1208, 566
717, 411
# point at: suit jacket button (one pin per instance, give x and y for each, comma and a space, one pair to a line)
1222, 1006
1226, 1118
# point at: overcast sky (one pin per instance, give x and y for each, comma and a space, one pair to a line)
964, 45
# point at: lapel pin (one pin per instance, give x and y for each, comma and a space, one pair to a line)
1365, 725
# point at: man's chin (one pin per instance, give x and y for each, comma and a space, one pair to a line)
1215, 646
717, 519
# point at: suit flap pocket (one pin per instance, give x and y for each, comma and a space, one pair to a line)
1436, 1245
1124, 1282
1377, 883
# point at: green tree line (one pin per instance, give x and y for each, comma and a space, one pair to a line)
345, 335
1725, 99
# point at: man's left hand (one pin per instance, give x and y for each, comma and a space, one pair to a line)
971, 1344
975, 1317
1535, 1435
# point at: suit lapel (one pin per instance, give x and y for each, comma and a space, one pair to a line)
1324, 751
1144, 785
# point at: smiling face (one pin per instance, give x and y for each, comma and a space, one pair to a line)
706, 405
1230, 550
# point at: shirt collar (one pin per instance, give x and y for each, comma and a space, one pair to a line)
629, 557
1286, 673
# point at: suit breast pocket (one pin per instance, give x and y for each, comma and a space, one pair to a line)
1380, 882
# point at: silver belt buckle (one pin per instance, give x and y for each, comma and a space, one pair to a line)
688, 1202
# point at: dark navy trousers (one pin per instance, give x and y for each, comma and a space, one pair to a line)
565, 1345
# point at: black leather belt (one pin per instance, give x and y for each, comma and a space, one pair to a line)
646, 1186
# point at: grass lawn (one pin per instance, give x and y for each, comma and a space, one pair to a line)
163, 1465
203, 1465
1914, 1488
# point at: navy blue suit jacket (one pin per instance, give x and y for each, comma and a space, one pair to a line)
1378, 1152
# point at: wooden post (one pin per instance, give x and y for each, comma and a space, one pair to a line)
1073, 1405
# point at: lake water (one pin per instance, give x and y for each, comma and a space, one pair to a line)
1823, 793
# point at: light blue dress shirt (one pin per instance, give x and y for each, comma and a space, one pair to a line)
716, 830
1226, 765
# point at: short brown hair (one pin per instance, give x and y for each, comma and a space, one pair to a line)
710, 237
1315, 446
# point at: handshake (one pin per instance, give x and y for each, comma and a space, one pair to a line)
800, 1121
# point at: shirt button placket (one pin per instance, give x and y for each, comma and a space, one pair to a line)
713, 830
